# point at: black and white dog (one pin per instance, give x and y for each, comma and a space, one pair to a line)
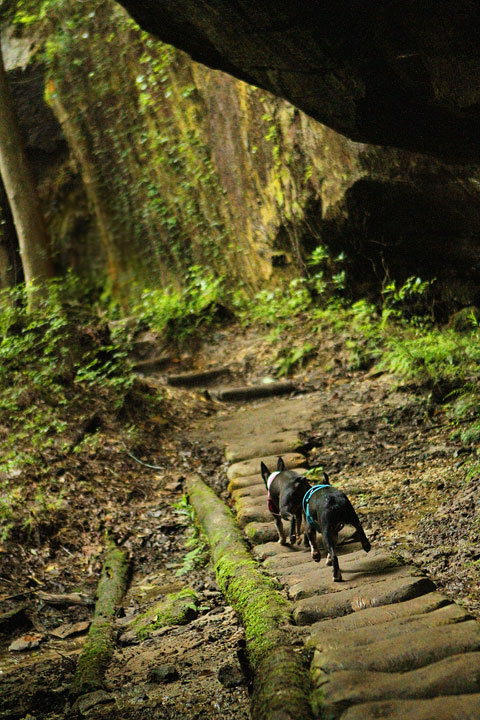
327, 510
286, 490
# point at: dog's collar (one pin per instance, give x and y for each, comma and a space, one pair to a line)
272, 478
306, 508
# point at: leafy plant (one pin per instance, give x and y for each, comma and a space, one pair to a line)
198, 555
181, 312
289, 359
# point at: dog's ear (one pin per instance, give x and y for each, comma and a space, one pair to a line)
265, 472
326, 478
280, 465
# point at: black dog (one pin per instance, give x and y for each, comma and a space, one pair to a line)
286, 490
328, 510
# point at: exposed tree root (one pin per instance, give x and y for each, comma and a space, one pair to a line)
281, 678
98, 649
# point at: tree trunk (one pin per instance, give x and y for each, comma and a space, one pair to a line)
22, 193
11, 272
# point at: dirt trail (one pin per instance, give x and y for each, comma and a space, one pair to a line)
403, 474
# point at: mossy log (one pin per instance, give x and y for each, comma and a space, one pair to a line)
281, 684
98, 649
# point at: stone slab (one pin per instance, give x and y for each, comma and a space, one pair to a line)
246, 481
325, 584
378, 615
454, 675
330, 638
276, 444
274, 549
254, 513
388, 592
260, 532
459, 707
412, 650
276, 563
251, 491
252, 466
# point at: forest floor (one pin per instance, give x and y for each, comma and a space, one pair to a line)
411, 494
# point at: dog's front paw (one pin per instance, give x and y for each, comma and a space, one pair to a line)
328, 560
282, 541
293, 539
316, 557
338, 578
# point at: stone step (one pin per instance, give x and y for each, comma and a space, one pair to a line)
375, 616
277, 443
252, 392
260, 532
262, 551
246, 481
197, 378
353, 563
287, 565
252, 466
457, 707
330, 638
454, 675
258, 512
256, 490
325, 583
390, 591
409, 651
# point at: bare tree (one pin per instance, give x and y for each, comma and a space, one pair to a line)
22, 194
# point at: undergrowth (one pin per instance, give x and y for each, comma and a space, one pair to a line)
61, 368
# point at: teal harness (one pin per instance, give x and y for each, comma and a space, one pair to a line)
306, 499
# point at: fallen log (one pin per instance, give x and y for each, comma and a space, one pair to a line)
192, 379
65, 599
98, 648
281, 682
251, 392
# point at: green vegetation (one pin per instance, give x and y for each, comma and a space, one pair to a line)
59, 365
198, 554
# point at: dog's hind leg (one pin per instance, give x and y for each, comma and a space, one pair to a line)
329, 535
298, 519
281, 532
293, 535
312, 540
360, 534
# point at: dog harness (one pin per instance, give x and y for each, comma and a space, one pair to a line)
306, 508
270, 505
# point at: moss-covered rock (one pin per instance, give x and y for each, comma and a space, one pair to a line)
177, 608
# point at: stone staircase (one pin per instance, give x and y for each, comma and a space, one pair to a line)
385, 643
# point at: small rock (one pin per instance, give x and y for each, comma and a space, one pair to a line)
27, 642
231, 675
163, 674
69, 629
86, 702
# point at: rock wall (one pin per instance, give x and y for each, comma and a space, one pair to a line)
185, 165
403, 72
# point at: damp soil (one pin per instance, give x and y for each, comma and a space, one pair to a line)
397, 458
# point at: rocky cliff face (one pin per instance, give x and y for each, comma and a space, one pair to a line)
186, 165
403, 73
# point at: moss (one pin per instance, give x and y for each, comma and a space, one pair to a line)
176, 609
98, 648
281, 678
